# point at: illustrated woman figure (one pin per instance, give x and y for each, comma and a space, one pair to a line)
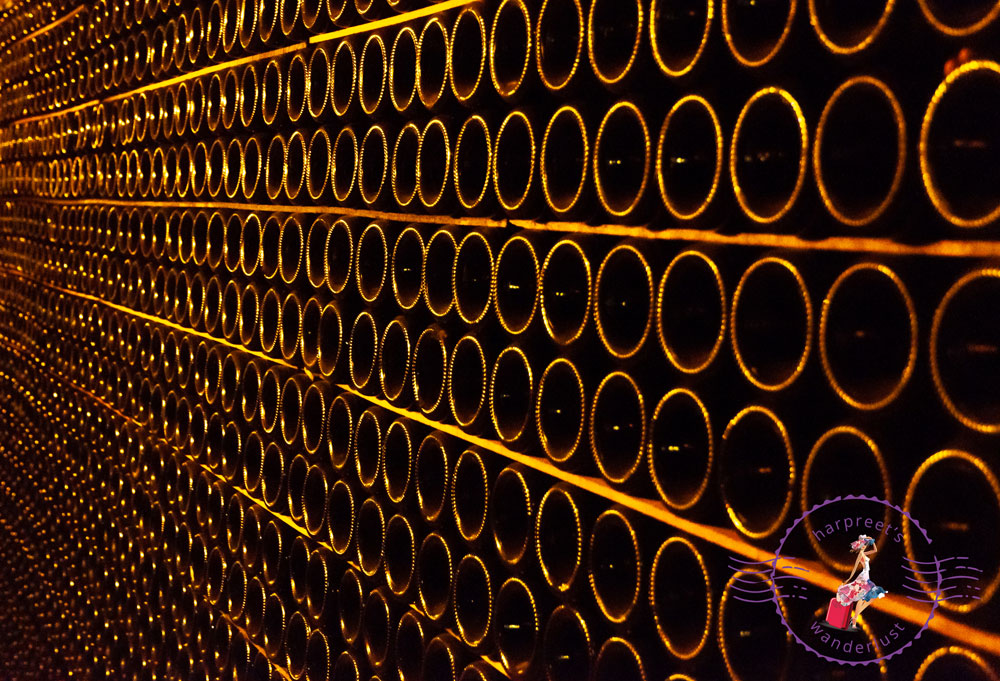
861, 590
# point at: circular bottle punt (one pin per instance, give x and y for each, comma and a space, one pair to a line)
341, 423
434, 576
511, 396
318, 586
957, 21
443, 658
559, 538
437, 272
961, 363
758, 473
510, 49
370, 536
406, 267
513, 164
754, 33
771, 324
473, 600
400, 555
372, 262
964, 482
689, 160
340, 517
409, 644
618, 427
955, 139
467, 383
350, 603
615, 565
681, 610
369, 435
614, 37
679, 33
746, 645
849, 28
860, 151
691, 311
559, 40
567, 651
398, 454
362, 349
868, 336
836, 448
566, 285
564, 160
295, 478
430, 370
467, 54
681, 449
560, 411
430, 471
768, 155
624, 301
947, 662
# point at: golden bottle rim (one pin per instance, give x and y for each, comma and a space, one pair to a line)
804, 294
563, 586
469, 238
666, 68
726, 595
690, 100
911, 352
971, 656
464, 95
803, 154
398, 104
989, 590
619, 616
664, 637
367, 195
511, 204
742, 58
546, 447
786, 507
626, 352
367, 106
958, 31
602, 75
814, 453
466, 420
940, 202
503, 433
817, 150
407, 303
856, 47
502, 89
543, 169
471, 637
431, 99
638, 455
430, 200
601, 193
694, 498
672, 356
470, 203
386, 391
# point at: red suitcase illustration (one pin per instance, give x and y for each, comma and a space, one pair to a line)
838, 615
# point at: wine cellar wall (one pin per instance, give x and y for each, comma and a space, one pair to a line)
479, 340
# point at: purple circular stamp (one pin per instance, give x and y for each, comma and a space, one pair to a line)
816, 618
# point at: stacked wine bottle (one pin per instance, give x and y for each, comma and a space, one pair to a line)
466, 341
